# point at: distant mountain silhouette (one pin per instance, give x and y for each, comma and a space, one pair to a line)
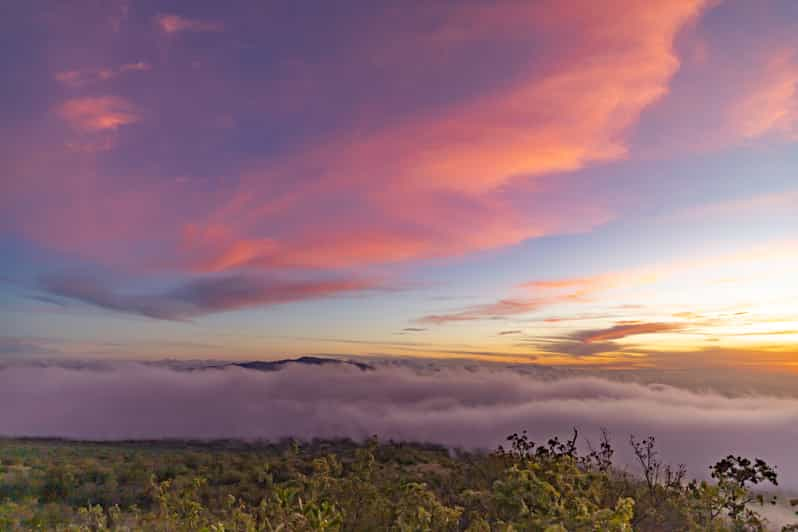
277, 365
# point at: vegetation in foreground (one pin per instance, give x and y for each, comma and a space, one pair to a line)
342, 485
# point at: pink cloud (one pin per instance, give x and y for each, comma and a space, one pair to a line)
490, 168
441, 183
479, 172
81, 77
566, 291
139, 66
169, 23
547, 292
95, 114
120, 223
730, 90
771, 105
499, 309
545, 121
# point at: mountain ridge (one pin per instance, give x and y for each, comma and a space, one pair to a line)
277, 365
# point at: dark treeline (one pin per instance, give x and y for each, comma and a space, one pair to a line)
343, 485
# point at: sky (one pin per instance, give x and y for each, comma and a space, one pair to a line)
547, 182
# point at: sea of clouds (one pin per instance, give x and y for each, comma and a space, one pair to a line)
453, 406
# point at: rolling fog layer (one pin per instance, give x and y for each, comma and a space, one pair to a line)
453, 407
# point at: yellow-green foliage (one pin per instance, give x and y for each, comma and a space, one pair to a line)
345, 486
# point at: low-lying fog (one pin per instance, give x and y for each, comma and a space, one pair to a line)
457, 407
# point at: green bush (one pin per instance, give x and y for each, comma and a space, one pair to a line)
345, 486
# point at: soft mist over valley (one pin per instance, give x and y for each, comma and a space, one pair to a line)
473, 407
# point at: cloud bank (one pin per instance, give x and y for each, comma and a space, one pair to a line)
456, 407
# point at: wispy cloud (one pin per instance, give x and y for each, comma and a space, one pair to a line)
94, 114
784, 201
598, 342
81, 77
501, 309
754, 104
200, 296
757, 262
568, 347
620, 331
550, 292
771, 106
577, 284
170, 23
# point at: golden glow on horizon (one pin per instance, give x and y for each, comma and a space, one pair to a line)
752, 320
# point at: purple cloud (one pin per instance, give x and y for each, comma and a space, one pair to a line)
199, 296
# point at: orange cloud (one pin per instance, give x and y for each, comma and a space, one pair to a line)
176, 24
564, 283
623, 330
586, 289
98, 113
565, 291
580, 288
548, 120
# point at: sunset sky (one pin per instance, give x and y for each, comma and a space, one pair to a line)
612, 184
